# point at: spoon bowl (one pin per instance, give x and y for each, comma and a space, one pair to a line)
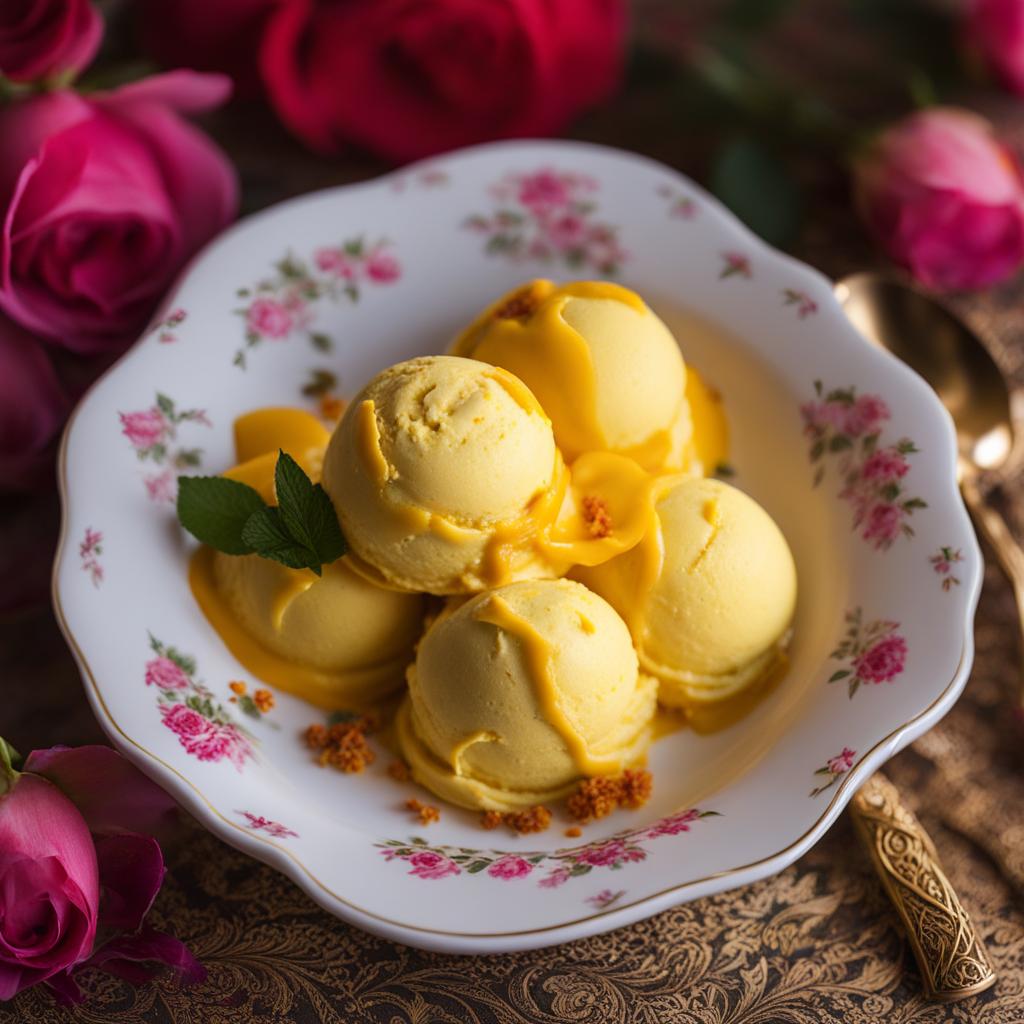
943, 350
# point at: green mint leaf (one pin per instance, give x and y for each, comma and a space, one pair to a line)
307, 511
215, 510
266, 534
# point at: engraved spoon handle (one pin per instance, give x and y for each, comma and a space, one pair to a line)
952, 959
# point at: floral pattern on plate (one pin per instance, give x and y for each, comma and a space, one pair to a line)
283, 305
679, 203
153, 433
735, 264
164, 329
874, 652
841, 423
943, 561
187, 707
89, 550
805, 305
834, 769
605, 898
623, 848
258, 823
550, 216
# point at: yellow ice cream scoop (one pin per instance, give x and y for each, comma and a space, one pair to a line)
709, 593
522, 691
605, 368
443, 472
338, 640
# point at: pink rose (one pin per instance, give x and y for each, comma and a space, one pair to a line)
189, 726
566, 231
603, 854
203, 738
382, 267
337, 262
944, 198
883, 524
543, 191
161, 486
885, 466
122, 814
103, 199
557, 877
427, 864
165, 674
510, 866
32, 408
79, 857
47, 39
674, 824
841, 763
883, 661
144, 429
269, 319
996, 28
821, 415
49, 883
865, 416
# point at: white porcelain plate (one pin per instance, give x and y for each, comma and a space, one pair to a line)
850, 452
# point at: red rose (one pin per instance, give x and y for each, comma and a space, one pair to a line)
102, 200
223, 35
47, 38
407, 78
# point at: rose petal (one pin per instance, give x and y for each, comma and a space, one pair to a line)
127, 956
131, 869
108, 790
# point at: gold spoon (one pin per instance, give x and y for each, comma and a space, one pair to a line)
952, 359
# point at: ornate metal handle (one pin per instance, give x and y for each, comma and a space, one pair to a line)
953, 961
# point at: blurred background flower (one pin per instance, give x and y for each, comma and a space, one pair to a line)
944, 198
47, 39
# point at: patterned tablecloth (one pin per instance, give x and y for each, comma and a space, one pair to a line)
819, 942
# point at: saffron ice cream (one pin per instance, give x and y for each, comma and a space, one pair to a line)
444, 472
338, 640
522, 691
604, 367
709, 593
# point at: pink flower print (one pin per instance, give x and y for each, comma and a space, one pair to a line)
203, 739
543, 190
336, 262
674, 824
566, 232
269, 319
260, 824
885, 465
805, 305
884, 523
883, 661
605, 898
841, 763
189, 726
866, 415
735, 264
510, 866
382, 267
144, 429
165, 674
427, 864
603, 854
557, 877
820, 416
161, 486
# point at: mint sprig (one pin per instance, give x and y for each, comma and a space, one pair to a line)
301, 531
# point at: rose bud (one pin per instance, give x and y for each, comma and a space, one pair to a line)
945, 198
47, 39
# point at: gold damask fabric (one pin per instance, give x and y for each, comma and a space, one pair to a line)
817, 943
